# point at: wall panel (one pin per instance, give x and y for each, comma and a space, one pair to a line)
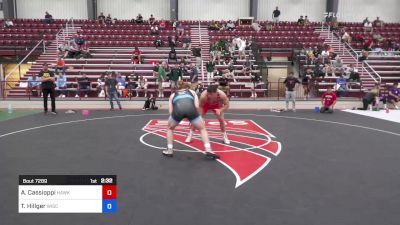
128, 9
60, 9
213, 9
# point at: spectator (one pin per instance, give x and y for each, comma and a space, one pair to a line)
172, 57
79, 40
242, 48
108, 20
142, 85
60, 65
158, 42
368, 27
171, 42
300, 21
210, 66
346, 37
341, 86
275, 15
223, 84
150, 103
48, 88
371, 98
8, 23
194, 76
111, 90
101, 18
306, 21
175, 76
187, 42
378, 23
152, 20
139, 19
161, 78
394, 95
162, 25
255, 79
100, 85
84, 52
377, 37
197, 54
180, 29
154, 30
33, 84
83, 86
63, 48
290, 83
136, 56
364, 55
156, 67
61, 85
72, 50
353, 74
230, 25
121, 84
328, 101
48, 18
305, 81
114, 21
337, 65
366, 20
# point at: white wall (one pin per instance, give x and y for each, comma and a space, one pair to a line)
128, 9
59, 9
1, 11
213, 9
357, 10
291, 10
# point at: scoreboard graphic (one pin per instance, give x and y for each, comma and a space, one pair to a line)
67, 194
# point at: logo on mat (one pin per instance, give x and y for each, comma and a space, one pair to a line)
244, 157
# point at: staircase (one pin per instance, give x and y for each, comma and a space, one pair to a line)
200, 38
367, 80
49, 56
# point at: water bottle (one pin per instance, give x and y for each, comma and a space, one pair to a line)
10, 110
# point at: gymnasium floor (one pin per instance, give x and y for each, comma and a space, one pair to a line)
299, 168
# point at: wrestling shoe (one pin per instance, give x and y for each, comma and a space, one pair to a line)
211, 155
168, 152
226, 140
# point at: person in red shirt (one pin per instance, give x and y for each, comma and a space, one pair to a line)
328, 101
136, 56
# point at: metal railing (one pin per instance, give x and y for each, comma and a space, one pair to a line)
366, 66
63, 33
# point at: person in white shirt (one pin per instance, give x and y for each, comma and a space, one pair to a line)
368, 27
142, 85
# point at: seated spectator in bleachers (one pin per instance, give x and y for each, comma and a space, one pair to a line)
154, 30
393, 95
338, 65
152, 20
368, 43
223, 84
121, 84
328, 101
172, 57
142, 85
33, 84
378, 23
377, 37
319, 71
100, 85
136, 56
61, 85
114, 21
346, 37
306, 81
72, 50
310, 58
139, 19
162, 25
83, 86
180, 29
215, 25
8, 24
328, 70
80, 40
48, 18
353, 74
230, 25
84, 52
108, 20
158, 42
101, 18
341, 86
187, 42
300, 21
171, 41
60, 65
364, 55
62, 48
368, 27
306, 21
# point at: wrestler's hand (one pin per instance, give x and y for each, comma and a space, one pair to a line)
217, 112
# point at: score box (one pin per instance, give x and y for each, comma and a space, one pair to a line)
67, 194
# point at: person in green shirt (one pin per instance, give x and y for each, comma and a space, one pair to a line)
161, 77
210, 66
175, 76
